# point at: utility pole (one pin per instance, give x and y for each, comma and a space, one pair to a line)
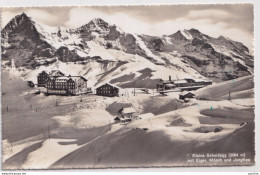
49, 132
229, 95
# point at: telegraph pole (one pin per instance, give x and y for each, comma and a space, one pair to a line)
229, 95
49, 132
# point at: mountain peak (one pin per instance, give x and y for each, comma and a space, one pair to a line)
96, 24
221, 37
18, 20
182, 35
98, 20
192, 30
22, 17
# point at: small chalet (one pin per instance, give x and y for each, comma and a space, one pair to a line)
108, 90
128, 112
186, 94
125, 115
30, 84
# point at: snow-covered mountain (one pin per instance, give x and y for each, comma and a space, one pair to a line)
104, 53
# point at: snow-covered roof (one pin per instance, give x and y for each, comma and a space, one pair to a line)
179, 81
66, 78
62, 79
185, 93
201, 80
170, 85
56, 73
129, 110
113, 85
110, 85
167, 82
76, 78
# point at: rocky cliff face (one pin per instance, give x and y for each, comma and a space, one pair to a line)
32, 45
216, 58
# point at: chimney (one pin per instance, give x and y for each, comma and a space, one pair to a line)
170, 78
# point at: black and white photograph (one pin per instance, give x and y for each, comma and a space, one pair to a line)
94, 87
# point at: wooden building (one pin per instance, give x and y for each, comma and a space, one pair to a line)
108, 90
128, 112
125, 115
42, 79
67, 85
44, 76
165, 85
182, 84
191, 82
30, 84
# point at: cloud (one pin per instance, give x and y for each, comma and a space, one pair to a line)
122, 20
42, 16
6, 16
209, 13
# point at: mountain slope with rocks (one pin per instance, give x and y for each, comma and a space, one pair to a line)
104, 53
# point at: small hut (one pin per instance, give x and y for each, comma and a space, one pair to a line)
128, 112
186, 94
30, 84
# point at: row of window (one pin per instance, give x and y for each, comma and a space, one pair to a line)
63, 83
103, 92
60, 87
106, 88
42, 78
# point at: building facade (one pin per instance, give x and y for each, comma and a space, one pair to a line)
42, 79
108, 90
67, 85
44, 76
182, 84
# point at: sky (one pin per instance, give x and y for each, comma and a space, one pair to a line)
235, 21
